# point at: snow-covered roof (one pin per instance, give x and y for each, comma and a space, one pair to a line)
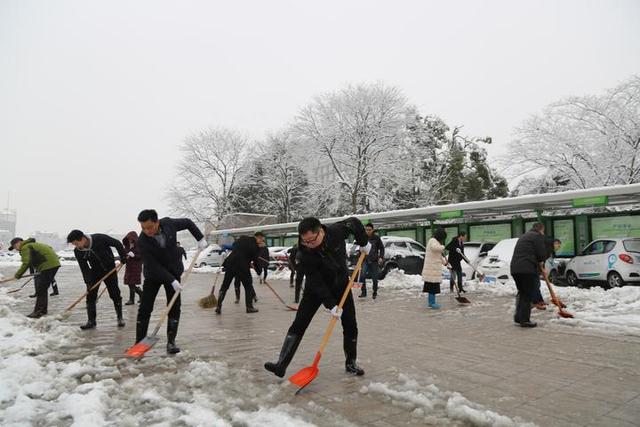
514, 206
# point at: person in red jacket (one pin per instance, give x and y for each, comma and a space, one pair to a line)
133, 268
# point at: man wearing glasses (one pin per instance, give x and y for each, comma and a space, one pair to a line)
323, 260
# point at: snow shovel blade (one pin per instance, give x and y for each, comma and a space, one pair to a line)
565, 314
292, 308
138, 350
463, 300
304, 376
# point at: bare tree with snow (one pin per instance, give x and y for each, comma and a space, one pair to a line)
207, 174
354, 131
582, 142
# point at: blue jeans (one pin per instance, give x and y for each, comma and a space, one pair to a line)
371, 269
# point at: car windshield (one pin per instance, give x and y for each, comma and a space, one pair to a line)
416, 247
632, 245
471, 252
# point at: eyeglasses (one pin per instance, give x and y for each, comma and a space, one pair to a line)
310, 241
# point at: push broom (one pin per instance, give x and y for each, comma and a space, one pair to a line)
139, 349
304, 377
210, 300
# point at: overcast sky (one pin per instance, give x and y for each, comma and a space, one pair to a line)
96, 96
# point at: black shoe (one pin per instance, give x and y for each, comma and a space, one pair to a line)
362, 296
296, 301
88, 325
218, 310
374, 296
352, 368
130, 302
32, 296
121, 323
54, 293
36, 314
463, 291
289, 348
172, 348
237, 300
252, 310
528, 324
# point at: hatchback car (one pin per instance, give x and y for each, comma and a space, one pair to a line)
496, 267
613, 262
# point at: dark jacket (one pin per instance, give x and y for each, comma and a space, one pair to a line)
377, 249
98, 259
164, 265
133, 269
325, 267
454, 257
529, 252
263, 254
245, 250
182, 252
292, 252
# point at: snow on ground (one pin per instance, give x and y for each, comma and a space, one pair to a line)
427, 403
46, 377
615, 311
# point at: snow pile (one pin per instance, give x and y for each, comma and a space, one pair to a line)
282, 274
428, 404
46, 378
207, 269
406, 283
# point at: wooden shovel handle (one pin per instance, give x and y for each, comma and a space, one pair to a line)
113, 270
345, 294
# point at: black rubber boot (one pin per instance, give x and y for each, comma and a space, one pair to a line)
118, 307
54, 287
221, 296
91, 316
141, 329
252, 309
287, 352
172, 331
350, 345
132, 296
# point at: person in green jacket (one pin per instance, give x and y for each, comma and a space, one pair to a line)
43, 259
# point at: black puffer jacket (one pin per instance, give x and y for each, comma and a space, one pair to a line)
325, 267
377, 248
529, 252
98, 259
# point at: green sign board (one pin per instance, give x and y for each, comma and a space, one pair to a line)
490, 232
290, 241
584, 202
451, 214
615, 226
563, 230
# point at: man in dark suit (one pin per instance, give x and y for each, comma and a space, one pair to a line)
455, 259
162, 267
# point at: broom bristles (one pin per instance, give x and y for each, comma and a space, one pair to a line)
208, 301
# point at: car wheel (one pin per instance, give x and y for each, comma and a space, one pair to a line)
614, 280
553, 277
202, 264
572, 279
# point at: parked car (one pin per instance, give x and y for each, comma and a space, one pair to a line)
278, 257
496, 265
399, 252
67, 255
211, 256
475, 252
613, 262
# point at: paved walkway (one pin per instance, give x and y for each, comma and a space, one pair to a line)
549, 375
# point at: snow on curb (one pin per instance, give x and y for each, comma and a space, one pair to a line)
435, 407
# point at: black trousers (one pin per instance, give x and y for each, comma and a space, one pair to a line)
308, 308
456, 274
527, 285
149, 293
112, 287
42, 281
244, 276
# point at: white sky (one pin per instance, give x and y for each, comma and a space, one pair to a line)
96, 96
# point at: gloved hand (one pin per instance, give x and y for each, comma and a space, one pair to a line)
336, 312
131, 254
176, 286
202, 243
366, 249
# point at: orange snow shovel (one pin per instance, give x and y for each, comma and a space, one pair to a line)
556, 301
139, 349
304, 377
65, 314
